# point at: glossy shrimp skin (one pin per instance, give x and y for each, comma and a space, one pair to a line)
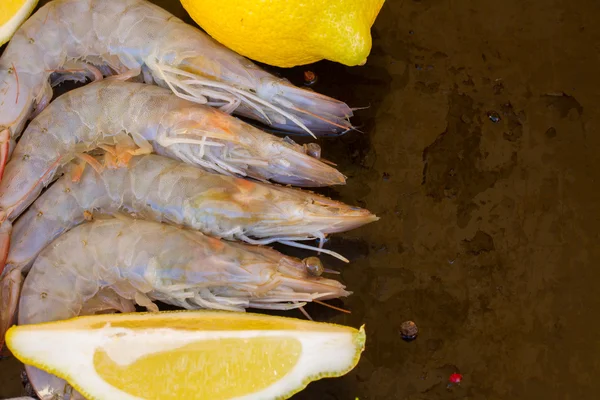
141, 119
161, 189
136, 36
119, 262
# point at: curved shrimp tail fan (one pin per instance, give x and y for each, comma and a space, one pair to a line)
10, 287
319, 113
5, 233
4, 149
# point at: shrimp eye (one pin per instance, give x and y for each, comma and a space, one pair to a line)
314, 266
313, 150
43, 295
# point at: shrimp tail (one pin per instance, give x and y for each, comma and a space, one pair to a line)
10, 288
5, 232
4, 149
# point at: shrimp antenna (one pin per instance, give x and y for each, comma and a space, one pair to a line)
14, 69
318, 250
303, 311
361, 108
333, 307
331, 271
291, 242
244, 96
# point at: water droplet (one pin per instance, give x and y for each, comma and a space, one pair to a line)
494, 116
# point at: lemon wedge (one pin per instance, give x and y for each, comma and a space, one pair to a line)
12, 14
213, 355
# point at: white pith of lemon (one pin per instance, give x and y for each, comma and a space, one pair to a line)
196, 354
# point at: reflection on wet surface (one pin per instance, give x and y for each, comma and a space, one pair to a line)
478, 148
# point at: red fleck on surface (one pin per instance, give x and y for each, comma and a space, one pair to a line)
455, 378
310, 77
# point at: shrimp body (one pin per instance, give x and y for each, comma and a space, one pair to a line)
138, 118
112, 264
69, 37
161, 189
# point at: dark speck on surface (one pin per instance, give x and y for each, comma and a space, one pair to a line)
551, 133
481, 242
498, 88
409, 331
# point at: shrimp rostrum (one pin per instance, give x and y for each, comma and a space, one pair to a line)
116, 263
79, 39
132, 118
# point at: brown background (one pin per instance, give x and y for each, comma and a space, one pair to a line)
489, 231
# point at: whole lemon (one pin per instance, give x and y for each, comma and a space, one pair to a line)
286, 33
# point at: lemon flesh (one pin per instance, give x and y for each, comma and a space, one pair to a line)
12, 14
290, 33
190, 354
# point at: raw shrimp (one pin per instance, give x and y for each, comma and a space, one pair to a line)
120, 262
139, 118
69, 37
161, 189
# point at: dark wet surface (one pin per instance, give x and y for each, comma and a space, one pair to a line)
480, 154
